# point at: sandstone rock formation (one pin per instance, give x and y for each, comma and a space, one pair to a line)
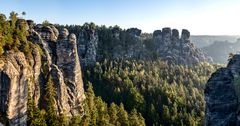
178, 50
135, 47
15, 74
22, 77
222, 95
59, 55
115, 43
87, 46
68, 62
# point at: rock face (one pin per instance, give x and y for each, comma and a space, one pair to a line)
49, 34
68, 62
22, 77
115, 43
222, 95
178, 50
87, 46
15, 74
135, 47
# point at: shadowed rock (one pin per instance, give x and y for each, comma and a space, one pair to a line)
166, 36
134, 31
172, 48
87, 47
222, 95
185, 35
175, 37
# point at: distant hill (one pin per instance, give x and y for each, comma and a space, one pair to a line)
220, 50
204, 40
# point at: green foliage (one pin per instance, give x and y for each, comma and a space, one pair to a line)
123, 116
161, 93
45, 23
164, 94
13, 34
51, 112
35, 116
23, 13
63, 119
99, 114
136, 119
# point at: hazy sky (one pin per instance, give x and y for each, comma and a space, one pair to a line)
201, 17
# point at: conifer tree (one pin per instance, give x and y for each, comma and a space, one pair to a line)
50, 94
123, 116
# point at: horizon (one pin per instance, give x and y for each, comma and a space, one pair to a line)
199, 17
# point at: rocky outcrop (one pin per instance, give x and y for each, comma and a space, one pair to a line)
15, 75
222, 95
178, 50
53, 54
135, 47
129, 48
134, 31
68, 62
62, 96
49, 34
87, 46
115, 43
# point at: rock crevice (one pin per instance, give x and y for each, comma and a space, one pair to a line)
54, 54
222, 94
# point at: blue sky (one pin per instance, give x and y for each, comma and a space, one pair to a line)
201, 17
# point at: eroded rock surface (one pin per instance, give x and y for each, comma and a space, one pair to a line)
87, 46
176, 49
115, 43
53, 54
68, 62
222, 94
15, 74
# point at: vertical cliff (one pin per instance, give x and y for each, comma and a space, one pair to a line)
87, 46
222, 95
23, 77
175, 49
97, 44
15, 74
68, 62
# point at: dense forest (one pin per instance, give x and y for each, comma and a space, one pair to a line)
164, 94
118, 92
13, 37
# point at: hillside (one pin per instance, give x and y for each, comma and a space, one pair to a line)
220, 50
95, 75
202, 41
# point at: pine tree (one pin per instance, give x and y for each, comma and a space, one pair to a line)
76, 121
50, 94
63, 119
113, 111
122, 116
136, 119
91, 105
35, 117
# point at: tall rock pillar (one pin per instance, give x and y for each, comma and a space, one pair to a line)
68, 62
